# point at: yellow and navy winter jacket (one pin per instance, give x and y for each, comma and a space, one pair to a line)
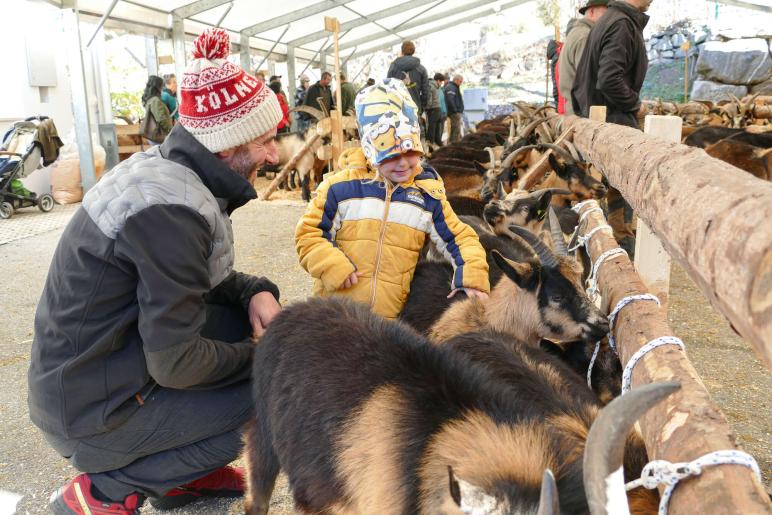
357, 223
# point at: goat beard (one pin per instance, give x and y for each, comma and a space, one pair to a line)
242, 163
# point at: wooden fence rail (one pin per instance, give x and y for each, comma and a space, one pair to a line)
712, 218
688, 424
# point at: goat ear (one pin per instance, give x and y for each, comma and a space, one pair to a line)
522, 274
455, 489
559, 169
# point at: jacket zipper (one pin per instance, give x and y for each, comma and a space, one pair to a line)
373, 287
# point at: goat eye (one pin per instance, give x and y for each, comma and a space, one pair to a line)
557, 298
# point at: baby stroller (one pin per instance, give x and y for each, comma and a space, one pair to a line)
21, 153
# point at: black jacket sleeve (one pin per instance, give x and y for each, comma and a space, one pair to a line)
614, 62
168, 246
450, 100
237, 289
425, 93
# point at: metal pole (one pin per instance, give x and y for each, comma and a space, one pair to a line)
178, 43
273, 47
222, 18
362, 68
291, 83
102, 21
314, 57
151, 55
347, 58
246, 59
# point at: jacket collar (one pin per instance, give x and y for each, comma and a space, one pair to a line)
640, 19
181, 147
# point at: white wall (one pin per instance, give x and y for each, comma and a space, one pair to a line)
18, 99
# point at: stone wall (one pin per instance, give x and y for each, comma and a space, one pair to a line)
739, 66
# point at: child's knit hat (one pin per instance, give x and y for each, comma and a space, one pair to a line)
388, 121
221, 105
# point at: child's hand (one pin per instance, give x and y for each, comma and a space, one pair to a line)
470, 292
350, 281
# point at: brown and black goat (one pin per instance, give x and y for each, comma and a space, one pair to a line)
366, 416
754, 160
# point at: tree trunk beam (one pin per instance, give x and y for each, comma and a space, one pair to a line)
266, 193
711, 217
688, 424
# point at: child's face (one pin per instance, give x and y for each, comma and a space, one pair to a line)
400, 169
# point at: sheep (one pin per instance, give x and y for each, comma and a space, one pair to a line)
539, 297
366, 416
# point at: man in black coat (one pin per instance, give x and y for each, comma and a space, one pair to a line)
409, 69
610, 73
614, 63
320, 94
455, 104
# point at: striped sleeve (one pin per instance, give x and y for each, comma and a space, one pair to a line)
461, 247
315, 241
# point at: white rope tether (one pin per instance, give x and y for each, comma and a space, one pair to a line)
579, 205
621, 304
581, 241
627, 373
592, 363
662, 472
592, 280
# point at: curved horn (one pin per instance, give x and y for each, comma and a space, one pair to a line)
512, 155
549, 502
316, 113
546, 256
512, 129
500, 191
528, 129
491, 156
542, 108
557, 234
571, 148
560, 151
604, 451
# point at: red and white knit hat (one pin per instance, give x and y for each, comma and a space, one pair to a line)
221, 105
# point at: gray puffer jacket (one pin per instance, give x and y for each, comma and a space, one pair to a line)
125, 299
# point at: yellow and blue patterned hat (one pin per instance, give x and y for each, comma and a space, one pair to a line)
387, 119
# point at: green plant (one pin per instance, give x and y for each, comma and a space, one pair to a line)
127, 103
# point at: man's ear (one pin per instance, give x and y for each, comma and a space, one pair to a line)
225, 154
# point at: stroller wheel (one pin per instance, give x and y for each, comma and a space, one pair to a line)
6, 210
46, 203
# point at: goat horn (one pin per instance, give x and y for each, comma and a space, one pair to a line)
560, 151
492, 157
549, 502
571, 148
546, 256
604, 451
557, 233
512, 155
500, 191
512, 129
528, 129
316, 113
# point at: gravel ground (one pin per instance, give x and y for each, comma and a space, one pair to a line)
29, 468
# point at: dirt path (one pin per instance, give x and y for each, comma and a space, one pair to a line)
264, 236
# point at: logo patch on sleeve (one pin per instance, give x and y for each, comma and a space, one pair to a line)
416, 197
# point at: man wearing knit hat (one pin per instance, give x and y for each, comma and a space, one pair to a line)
142, 356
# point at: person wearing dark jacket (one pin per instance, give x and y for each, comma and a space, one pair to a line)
320, 94
141, 361
455, 104
409, 69
610, 73
156, 109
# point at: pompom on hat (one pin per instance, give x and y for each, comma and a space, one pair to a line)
387, 119
221, 105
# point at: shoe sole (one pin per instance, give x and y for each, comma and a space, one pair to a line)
169, 503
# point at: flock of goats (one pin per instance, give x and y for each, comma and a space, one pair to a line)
493, 406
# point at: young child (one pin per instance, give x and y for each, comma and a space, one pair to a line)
362, 235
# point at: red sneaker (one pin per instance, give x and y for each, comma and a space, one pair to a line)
75, 498
223, 482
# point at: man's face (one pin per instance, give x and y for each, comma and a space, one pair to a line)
325, 80
458, 81
304, 84
641, 5
245, 159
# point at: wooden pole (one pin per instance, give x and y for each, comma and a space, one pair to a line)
332, 25
710, 216
685, 47
266, 193
688, 424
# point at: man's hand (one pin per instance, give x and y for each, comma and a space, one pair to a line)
263, 307
470, 292
351, 280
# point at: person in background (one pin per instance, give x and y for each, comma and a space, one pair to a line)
260, 76
320, 95
347, 96
441, 80
611, 73
433, 112
169, 95
300, 96
409, 70
155, 108
350, 254
577, 32
141, 364
284, 124
455, 104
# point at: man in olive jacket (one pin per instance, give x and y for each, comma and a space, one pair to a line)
577, 32
611, 73
614, 63
141, 360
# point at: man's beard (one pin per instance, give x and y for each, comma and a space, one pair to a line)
242, 163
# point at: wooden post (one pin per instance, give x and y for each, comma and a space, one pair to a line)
651, 260
332, 25
688, 424
685, 47
266, 193
709, 215
598, 113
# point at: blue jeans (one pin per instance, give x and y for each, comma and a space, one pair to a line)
176, 436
